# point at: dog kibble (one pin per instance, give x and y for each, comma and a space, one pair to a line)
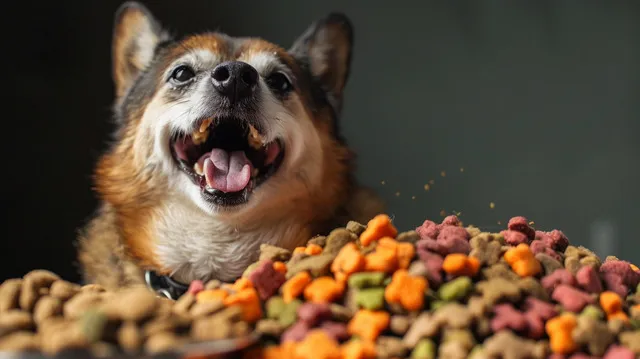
361, 292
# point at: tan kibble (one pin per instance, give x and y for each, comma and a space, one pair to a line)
76, 306
20, 341
45, 308
63, 290
9, 294
129, 337
33, 282
15, 320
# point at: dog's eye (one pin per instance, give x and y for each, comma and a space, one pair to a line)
279, 82
182, 74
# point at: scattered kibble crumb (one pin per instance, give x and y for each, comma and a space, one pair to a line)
397, 194
413, 197
427, 187
532, 223
492, 205
443, 174
499, 222
431, 182
461, 169
443, 213
383, 182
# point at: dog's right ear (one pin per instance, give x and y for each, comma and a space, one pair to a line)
136, 34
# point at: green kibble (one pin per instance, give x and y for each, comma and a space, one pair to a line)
592, 311
635, 323
289, 314
456, 289
425, 349
437, 304
93, 323
387, 281
366, 280
477, 351
638, 289
370, 298
275, 306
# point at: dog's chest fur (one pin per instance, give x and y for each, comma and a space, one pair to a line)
193, 245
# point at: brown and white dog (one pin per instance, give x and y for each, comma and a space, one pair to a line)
223, 144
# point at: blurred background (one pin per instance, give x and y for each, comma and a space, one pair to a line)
501, 109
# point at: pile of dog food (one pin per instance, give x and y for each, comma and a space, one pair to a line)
441, 291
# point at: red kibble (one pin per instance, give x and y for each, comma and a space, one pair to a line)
195, 287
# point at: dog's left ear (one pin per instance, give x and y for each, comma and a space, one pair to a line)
326, 49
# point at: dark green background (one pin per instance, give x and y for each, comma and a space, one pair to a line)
536, 100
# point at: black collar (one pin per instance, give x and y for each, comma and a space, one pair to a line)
164, 285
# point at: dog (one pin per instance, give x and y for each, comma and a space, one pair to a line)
222, 144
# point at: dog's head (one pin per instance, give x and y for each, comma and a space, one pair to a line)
238, 127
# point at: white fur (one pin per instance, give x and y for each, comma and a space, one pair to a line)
199, 241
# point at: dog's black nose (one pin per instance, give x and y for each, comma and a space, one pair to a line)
235, 79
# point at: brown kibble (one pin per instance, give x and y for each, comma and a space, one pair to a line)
15, 320
211, 328
390, 347
31, 285
97, 288
487, 247
572, 264
593, 334
276, 254
497, 289
130, 337
549, 264
184, 303
240, 329
271, 327
161, 342
505, 344
45, 308
317, 265
531, 286
500, 270
76, 306
135, 304
318, 241
19, 342
64, 290
408, 236
631, 340
341, 313
400, 324
67, 337
209, 307
337, 239
356, 227
9, 294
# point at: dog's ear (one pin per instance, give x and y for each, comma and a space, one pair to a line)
136, 34
326, 49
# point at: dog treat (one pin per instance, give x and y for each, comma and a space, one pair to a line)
360, 292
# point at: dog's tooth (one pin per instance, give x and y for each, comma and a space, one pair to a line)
204, 126
198, 168
255, 140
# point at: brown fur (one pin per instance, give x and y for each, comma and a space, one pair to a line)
118, 244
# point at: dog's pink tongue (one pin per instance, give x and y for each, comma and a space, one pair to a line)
227, 172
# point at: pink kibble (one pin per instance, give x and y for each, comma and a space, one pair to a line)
582, 356
266, 280
540, 308
535, 326
618, 352
314, 313
295, 333
195, 287
539, 246
613, 282
630, 278
337, 331
560, 242
572, 299
559, 276
588, 279
428, 229
521, 224
450, 221
514, 237
433, 263
447, 232
507, 317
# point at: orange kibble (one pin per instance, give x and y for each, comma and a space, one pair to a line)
283, 351
378, 227
368, 324
619, 315
280, 267
610, 302
317, 344
523, 261
313, 249
241, 283
349, 260
211, 294
292, 288
406, 290
382, 260
460, 264
249, 301
323, 290
405, 254
559, 330
634, 268
341, 277
299, 250
358, 349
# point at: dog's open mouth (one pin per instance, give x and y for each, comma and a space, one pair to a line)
227, 158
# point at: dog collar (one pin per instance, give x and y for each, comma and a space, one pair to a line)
164, 286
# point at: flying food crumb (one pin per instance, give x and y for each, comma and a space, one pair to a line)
499, 222
397, 194
443, 174
492, 205
427, 187
461, 169
383, 182
532, 223
443, 213
413, 197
